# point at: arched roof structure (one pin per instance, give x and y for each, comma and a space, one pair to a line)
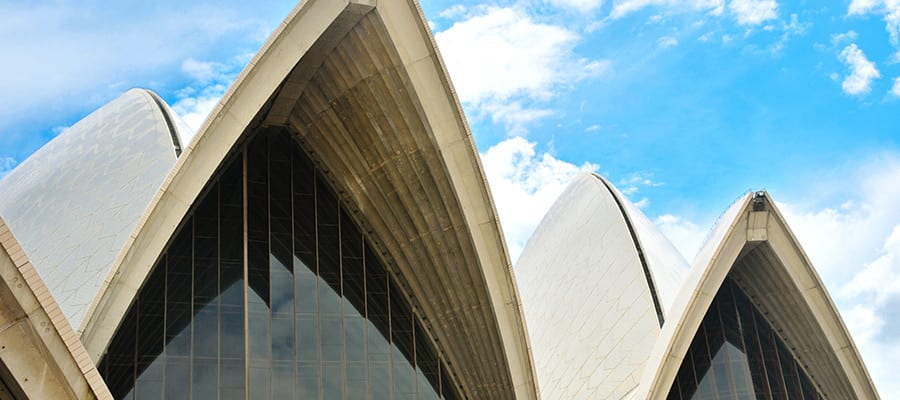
40, 356
74, 202
596, 279
362, 87
753, 245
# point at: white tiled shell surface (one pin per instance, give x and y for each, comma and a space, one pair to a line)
75, 201
667, 266
588, 308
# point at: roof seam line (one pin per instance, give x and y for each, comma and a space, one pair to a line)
169, 123
640, 252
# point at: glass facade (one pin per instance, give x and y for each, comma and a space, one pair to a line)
269, 291
736, 355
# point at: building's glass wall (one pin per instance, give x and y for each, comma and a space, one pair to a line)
736, 355
280, 299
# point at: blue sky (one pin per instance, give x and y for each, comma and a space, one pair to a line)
684, 105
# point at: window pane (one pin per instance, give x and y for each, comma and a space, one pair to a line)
749, 360
323, 318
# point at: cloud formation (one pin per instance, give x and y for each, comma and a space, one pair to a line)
861, 7
578, 5
624, 7
753, 12
502, 62
64, 52
841, 38
210, 81
524, 185
666, 42
890, 9
855, 247
788, 30
879, 280
862, 71
686, 235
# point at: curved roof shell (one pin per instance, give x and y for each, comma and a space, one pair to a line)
41, 355
363, 88
588, 303
752, 244
74, 202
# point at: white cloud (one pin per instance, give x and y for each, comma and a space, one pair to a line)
879, 280
524, 185
685, 235
514, 116
862, 71
841, 38
854, 244
895, 58
453, 12
855, 247
201, 71
865, 323
194, 109
789, 29
211, 80
501, 60
892, 19
640, 179
624, 7
860, 7
579, 5
666, 42
794, 27
890, 9
149, 42
895, 90
838, 238
503, 53
632, 185
753, 12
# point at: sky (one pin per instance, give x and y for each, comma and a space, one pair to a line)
685, 105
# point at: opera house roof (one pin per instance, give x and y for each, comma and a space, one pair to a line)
629, 313
329, 232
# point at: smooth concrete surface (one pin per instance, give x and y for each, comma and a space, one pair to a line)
74, 202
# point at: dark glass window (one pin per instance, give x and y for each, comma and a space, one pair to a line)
269, 290
736, 355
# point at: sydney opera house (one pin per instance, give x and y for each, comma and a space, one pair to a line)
329, 234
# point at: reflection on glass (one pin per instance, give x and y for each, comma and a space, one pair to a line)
307, 312
736, 355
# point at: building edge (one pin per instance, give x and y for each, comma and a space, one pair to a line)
42, 344
240, 106
754, 221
